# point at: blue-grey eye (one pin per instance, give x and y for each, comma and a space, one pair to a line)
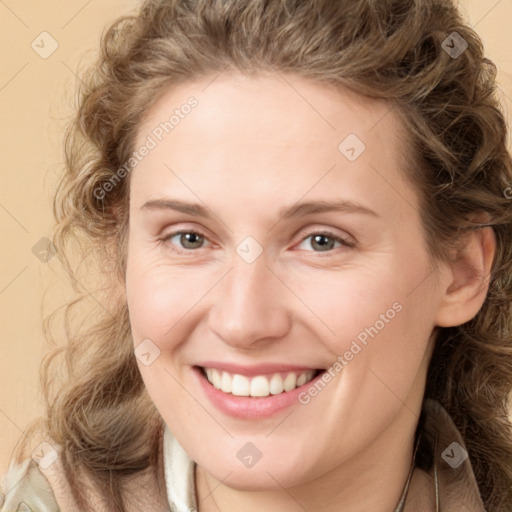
322, 242
188, 239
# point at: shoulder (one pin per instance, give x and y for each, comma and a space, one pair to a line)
25, 488
40, 484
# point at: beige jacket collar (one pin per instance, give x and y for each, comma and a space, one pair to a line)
442, 475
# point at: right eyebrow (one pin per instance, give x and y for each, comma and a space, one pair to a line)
181, 206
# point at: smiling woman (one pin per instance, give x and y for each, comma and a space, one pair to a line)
307, 286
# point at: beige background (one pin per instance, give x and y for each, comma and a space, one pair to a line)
35, 98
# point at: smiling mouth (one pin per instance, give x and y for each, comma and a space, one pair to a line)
258, 385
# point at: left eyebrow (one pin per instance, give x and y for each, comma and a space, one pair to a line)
311, 207
297, 210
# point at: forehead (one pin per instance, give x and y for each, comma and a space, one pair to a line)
265, 131
261, 104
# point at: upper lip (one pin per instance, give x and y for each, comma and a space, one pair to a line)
253, 370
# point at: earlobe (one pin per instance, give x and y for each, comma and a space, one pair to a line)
468, 281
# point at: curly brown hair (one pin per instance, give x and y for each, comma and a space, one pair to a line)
98, 409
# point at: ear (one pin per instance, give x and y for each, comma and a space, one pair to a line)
467, 279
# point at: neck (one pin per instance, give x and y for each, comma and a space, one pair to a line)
374, 479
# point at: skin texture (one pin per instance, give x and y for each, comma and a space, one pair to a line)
251, 147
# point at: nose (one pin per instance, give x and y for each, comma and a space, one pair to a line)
250, 308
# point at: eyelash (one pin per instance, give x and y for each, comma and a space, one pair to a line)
343, 242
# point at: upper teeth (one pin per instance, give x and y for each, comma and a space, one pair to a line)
260, 385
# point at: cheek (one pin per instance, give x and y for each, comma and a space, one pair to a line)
347, 302
154, 302
378, 319
158, 295
166, 304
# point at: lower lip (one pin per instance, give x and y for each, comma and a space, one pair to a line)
247, 407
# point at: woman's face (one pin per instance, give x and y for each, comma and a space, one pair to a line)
272, 234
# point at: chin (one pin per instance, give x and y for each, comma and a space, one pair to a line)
269, 476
